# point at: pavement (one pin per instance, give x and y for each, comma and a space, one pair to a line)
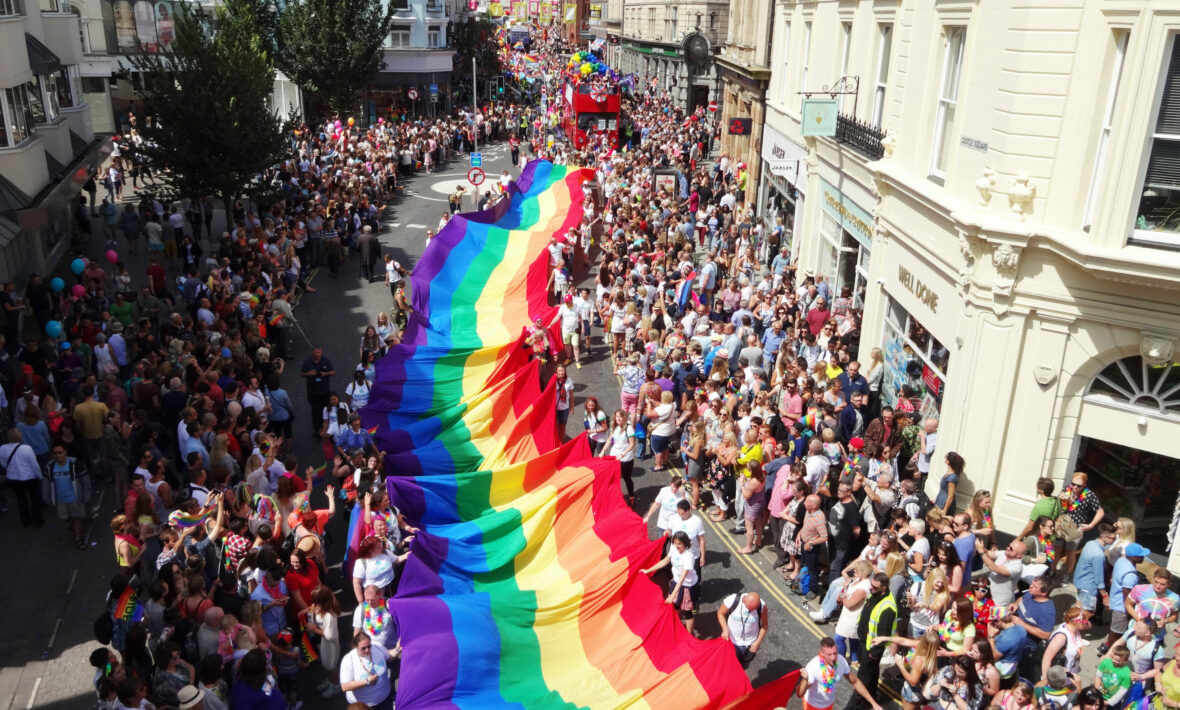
49, 609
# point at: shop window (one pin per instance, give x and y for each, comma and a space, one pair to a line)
1135, 382
1132, 483
916, 362
1158, 218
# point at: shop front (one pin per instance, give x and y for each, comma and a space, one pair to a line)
845, 241
783, 185
916, 308
1128, 444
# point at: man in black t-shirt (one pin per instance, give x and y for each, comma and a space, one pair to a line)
317, 370
843, 528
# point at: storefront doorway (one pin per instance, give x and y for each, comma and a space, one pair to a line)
1128, 444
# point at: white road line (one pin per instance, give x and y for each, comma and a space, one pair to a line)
33, 695
396, 224
73, 578
53, 636
416, 226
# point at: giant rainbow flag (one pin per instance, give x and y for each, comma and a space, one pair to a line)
523, 589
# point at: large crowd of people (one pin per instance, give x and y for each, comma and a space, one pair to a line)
738, 378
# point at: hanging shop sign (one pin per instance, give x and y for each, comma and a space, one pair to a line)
819, 117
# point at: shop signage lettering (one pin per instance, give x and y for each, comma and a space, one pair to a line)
920, 290
852, 217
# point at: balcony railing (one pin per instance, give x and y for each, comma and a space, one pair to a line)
862, 137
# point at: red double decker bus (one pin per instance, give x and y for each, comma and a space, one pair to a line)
591, 109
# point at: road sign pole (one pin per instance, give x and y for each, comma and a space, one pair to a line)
474, 104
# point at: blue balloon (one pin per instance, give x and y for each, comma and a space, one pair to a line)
77, 266
57, 284
53, 328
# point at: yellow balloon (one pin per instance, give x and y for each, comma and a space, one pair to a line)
586, 69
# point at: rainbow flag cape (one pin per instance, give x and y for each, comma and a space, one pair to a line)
306, 648
128, 607
523, 589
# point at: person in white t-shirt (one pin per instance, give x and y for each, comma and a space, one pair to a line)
622, 448
571, 329
744, 618
688, 523
364, 672
685, 594
665, 502
818, 679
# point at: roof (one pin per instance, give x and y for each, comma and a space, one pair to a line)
11, 197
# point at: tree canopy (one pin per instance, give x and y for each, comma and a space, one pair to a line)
210, 92
332, 48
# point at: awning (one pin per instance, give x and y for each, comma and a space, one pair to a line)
42, 60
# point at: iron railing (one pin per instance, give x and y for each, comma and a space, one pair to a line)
862, 137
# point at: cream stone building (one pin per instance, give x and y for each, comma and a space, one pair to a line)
652, 46
744, 62
1015, 236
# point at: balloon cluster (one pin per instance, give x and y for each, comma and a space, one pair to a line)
584, 65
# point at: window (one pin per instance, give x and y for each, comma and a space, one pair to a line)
434, 37
434, 5
948, 99
786, 60
10, 8
18, 117
884, 46
399, 39
1134, 381
672, 24
33, 97
806, 51
1116, 71
1158, 218
845, 49
401, 4
651, 22
47, 90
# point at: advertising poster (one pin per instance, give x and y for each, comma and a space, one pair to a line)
165, 29
145, 26
546, 13
125, 26
495, 9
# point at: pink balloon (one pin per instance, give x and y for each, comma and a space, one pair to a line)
112, 255
339, 124
79, 290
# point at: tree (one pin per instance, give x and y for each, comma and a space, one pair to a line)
476, 39
333, 48
210, 91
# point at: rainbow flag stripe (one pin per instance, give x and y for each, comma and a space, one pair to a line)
523, 589
128, 607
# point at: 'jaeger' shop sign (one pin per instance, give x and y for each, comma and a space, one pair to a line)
920, 290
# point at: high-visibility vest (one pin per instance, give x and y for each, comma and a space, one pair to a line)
875, 617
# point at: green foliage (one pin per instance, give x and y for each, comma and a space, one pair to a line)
333, 48
210, 92
476, 39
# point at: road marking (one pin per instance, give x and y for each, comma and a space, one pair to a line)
73, 578
416, 226
33, 695
778, 594
53, 636
396, 224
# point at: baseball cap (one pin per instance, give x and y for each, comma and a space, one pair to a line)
1136, 550
856, 442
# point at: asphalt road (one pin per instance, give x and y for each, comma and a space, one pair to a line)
47, 610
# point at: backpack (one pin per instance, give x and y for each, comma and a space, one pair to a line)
104, 627
738, 597
921, 499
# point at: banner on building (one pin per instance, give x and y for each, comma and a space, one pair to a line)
595, 11
546, 13
534, 8
520, 11
819, 117
571, 12
495, 9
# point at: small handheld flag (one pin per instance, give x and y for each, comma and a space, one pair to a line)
183, 520
319, 471
372, 431
274, 320
128, 607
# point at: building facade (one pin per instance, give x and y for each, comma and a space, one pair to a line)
418, 56
652, 46
47, 141
1016, 277
744, 65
